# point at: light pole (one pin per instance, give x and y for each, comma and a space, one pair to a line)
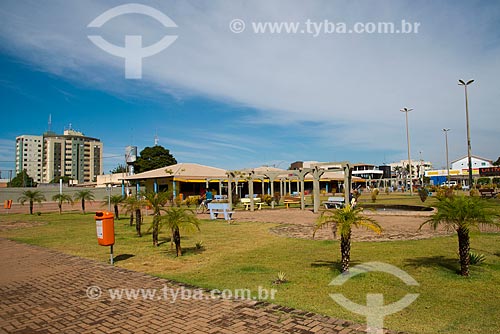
469, 154
406, 111
447, 161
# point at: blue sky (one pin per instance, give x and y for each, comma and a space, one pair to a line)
242, 100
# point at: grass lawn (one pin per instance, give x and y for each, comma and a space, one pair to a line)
245, 255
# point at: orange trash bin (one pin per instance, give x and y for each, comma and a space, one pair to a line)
7, 204
105, 227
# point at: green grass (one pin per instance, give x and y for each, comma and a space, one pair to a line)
245, 255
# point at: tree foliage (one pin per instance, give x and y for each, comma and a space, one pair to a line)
84, 195
497, 163
31, 196
22, 179
342, 221
60, 199
65, 179
177, 220
462, 213
153, 157
119, 169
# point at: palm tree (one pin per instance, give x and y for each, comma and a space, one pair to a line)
342, 220
116, 200
177, 219
84, 195
60, 199
462, 213
134, 206
156, 201
31, 196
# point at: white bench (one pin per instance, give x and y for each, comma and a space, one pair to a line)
247, 204
220, 208
334, 202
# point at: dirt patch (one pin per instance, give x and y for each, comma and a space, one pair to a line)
295, 223
12, 225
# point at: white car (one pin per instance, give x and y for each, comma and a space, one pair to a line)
449, 184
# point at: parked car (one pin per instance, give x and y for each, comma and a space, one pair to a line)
449, 184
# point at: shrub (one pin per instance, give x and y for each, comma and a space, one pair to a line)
423, 193
476, 258
374, 194
277, 197
267, 199
474, 192
280, 278
482, 181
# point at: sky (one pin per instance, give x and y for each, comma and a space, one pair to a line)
239, 99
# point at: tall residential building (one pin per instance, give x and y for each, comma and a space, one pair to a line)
29, 156
71, 154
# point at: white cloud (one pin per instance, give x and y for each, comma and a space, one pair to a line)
354, 85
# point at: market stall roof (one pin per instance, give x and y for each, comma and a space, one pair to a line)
181, 172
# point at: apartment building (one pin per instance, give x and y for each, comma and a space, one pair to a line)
29, 156
71, 154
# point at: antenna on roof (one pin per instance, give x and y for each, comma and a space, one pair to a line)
50, 122
156, 137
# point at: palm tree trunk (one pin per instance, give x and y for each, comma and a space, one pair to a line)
31, 207
60, 208
117, 214
131, 219
345, 250
138, 221
463, 250
177, 240
156, 221
83, 206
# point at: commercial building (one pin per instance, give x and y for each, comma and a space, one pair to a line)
51, 156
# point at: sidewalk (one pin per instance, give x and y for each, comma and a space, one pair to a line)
44, 291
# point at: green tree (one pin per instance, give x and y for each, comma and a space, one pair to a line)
119, 169
31, 196
22, 179
462, 213
116, 200
60, 199
84, 195
156, 201
65, 179
342, 220
497, 163
152, 158
134, 206
177, 220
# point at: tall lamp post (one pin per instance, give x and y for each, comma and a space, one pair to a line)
469, 154
406, 111
447, 161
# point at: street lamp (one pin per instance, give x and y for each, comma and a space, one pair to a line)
406, 111
469, 154
447, 161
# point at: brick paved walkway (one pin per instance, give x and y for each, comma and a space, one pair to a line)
44, 291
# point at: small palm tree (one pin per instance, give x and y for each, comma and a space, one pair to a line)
134, 206
462, 213
342, 221
31, 196
60, 199
84, 195
177, 219
156, 201
116, 200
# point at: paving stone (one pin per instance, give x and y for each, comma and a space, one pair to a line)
45, 291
